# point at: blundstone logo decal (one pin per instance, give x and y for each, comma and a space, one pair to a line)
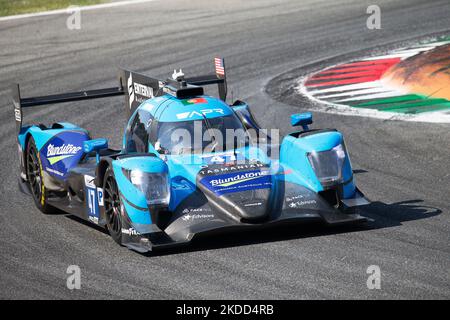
55, 154
237, 179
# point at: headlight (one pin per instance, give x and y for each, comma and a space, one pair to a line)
155, 186
328, 165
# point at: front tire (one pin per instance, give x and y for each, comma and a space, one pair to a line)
35, 178
113, 207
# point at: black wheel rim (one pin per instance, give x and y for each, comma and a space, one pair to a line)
34, 173
112, 205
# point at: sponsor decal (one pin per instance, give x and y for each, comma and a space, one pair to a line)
92, 202
58, 153
137, 89
227, 169
192, 217
130, 232
100, 196
191, 210
143, 90
298, 204
54, 171
238, 181
130, 89
299, 196
201, 113
191, 214
62, 152
253, 204
89, 181
238, 178
94, 198
18, 115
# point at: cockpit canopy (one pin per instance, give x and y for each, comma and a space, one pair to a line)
172, 126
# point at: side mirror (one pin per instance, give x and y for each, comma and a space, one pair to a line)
301, 119
242, 110
95, 145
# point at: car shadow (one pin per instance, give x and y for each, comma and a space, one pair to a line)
384, 215
380, 215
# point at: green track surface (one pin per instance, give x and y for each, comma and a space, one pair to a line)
12, 7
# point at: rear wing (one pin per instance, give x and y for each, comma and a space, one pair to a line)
136, 88
20, 103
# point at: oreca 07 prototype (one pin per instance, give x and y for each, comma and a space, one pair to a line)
157, 191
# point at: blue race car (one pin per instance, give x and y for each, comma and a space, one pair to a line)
166, 186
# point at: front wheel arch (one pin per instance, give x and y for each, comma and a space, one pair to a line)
112, 206
101, 171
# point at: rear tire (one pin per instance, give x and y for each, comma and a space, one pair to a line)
113, 207
35, 178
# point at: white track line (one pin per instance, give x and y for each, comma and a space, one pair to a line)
83, 8
356, 92
386, 94
348, 87
388, 56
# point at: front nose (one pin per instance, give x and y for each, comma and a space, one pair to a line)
248, 206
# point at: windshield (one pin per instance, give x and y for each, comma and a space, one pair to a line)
202, 136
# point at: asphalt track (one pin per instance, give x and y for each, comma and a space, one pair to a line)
401, 166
